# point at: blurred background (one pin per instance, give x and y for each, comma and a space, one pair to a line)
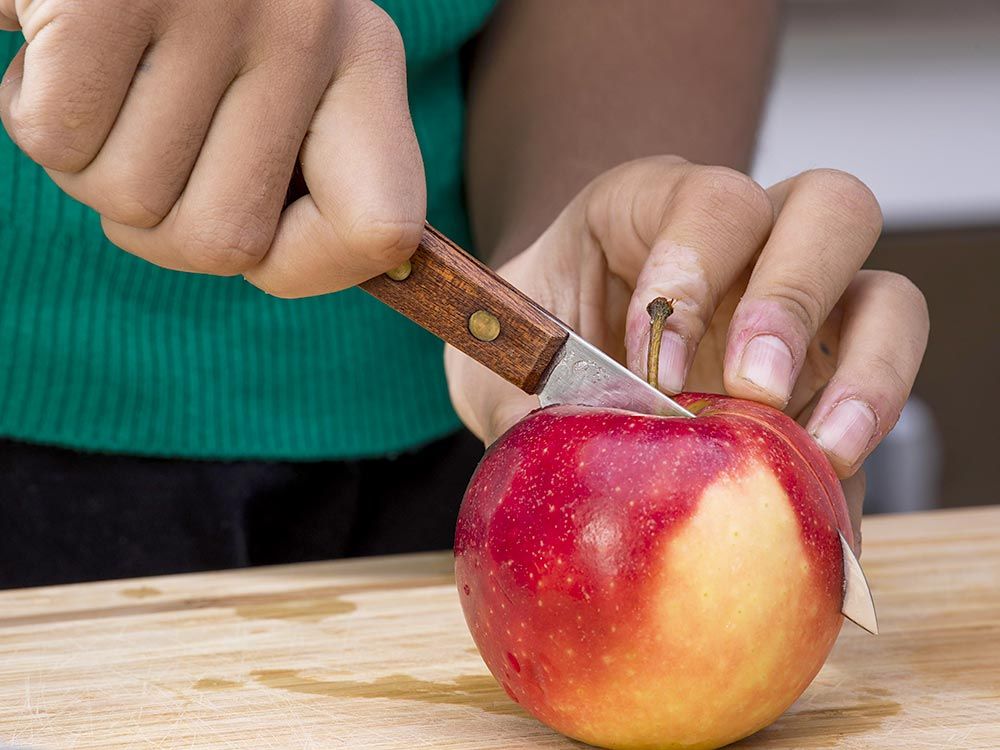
906, 95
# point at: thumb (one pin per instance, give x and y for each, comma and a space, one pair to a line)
486, 403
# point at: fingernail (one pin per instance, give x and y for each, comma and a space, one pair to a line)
767, 363
847, 430
673, 356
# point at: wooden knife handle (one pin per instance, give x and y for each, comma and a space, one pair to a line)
458, 299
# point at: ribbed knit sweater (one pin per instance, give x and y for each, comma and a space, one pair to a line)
101, 351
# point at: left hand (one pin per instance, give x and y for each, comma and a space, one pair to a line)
770, 302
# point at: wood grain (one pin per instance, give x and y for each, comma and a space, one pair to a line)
374, 654
446, 286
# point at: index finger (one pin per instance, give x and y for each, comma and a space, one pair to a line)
715, 223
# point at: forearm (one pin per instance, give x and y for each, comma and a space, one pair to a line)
560, 92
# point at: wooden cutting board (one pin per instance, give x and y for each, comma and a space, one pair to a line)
374, 654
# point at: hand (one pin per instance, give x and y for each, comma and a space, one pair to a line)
769, 301
181, 122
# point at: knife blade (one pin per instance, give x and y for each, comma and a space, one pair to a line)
858, 605
583, 374
446, 291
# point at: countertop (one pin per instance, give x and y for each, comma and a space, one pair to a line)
374, 654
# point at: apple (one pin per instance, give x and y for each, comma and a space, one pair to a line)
650, 582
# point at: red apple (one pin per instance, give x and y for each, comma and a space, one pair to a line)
654, 582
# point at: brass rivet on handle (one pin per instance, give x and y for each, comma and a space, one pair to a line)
400, 272
484, 326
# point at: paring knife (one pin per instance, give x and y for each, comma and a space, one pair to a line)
458, 299
451, 294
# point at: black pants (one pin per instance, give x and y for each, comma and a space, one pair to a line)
68, 516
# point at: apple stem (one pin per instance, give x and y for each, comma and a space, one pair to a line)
659, 310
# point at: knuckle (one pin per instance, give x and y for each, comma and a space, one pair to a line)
46, 142
378, 27
658, 168
847, 195
140, 190
725, 192
381, 243
648, 167
375, 36
131, 206
226, 246
726, 189
306, 27
903, 295
905, 289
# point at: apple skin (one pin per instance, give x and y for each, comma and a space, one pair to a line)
641, 582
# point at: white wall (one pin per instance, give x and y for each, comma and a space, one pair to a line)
906, 95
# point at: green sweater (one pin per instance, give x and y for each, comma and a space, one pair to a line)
101, 351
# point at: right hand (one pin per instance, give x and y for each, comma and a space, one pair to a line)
181, 122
